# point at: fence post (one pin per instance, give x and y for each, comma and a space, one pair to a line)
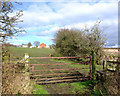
90, 67
117, 75
1, 70
104, 65
5, 53
93, 66
26, 62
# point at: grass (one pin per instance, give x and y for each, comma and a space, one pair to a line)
80, 87
33, 52
62, 61
63, 84
39, 89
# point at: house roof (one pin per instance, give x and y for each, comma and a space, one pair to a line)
43, 44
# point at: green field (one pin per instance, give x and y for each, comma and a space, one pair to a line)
60, 88
33, 52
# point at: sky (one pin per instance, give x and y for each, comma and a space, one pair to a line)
43, 18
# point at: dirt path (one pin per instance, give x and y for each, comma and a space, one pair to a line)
59, 88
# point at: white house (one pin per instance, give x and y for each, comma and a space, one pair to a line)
24, 45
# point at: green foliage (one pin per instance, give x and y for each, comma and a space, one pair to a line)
5, 53
72, 42
38, 89
93, 66
81, 87
52, 46
68, 42
36, 43
63, 84
29, 44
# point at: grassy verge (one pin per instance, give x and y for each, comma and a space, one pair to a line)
39, 89
81, 87
89, 88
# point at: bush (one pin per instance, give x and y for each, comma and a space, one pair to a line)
73, 42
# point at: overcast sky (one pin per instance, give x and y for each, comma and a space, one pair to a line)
44, 18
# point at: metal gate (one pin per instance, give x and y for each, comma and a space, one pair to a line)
44, 73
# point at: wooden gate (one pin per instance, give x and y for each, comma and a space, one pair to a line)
59, 72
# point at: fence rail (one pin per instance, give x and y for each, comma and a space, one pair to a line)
58, 69
58, 57
57, 64
56, 74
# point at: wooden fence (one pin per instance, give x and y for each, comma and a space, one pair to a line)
111, 74
110, 65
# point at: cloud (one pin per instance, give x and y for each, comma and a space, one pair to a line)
21, 40
44, 37
82, 1
44, 19
67, 13
107, 25
48, 32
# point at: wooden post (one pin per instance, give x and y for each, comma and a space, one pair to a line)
5, 54
1, 70
118, 76
26, 62
104, 69
93, 66
103, 64
90, 67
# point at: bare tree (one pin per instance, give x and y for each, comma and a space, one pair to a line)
8, 22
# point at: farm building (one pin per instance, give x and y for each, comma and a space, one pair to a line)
24, 45
42, 45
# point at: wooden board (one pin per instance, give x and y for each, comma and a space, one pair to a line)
65, 80
58, 69
58, 64
55, 57
113, 62
54, 78
58, 74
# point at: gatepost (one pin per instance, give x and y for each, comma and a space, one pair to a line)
93, 66
26, 62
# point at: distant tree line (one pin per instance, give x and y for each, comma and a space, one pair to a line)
36, 44
52, 46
